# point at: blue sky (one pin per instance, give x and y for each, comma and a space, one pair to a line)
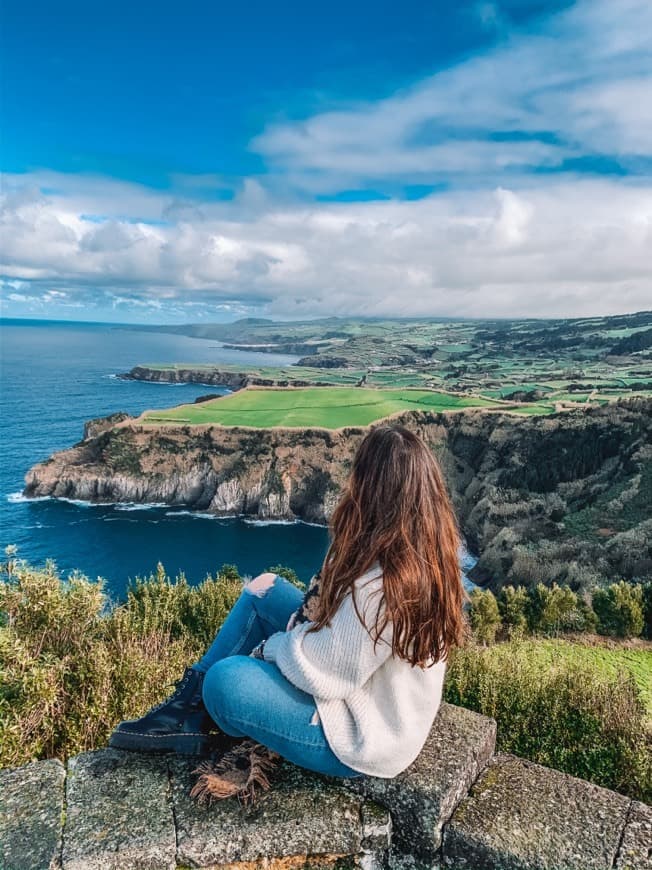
169, 162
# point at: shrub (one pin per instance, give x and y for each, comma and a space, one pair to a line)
512, 603
484, 615
551, 609
289, 574
71, 667
569, 715
587, 619
619, 609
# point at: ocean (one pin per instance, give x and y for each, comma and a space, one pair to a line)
56, 375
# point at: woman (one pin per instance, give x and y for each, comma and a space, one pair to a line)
347, 679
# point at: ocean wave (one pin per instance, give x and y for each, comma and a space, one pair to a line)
138, 506
246, 518
18, 497
199, 515
281, 522
253, 521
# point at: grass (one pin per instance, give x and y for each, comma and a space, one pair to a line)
531, 409
327, 407
566, 705
606, 659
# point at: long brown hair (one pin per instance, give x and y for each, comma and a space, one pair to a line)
395, 509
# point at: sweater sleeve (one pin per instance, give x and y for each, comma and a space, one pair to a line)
338, 658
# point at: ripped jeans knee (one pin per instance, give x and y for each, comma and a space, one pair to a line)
263, 607
261, 584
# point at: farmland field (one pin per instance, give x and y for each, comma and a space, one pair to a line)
367, 369
328, 407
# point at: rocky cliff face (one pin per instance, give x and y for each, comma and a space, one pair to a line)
215, 377
565, 496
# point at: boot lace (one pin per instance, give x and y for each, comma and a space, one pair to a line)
179, 684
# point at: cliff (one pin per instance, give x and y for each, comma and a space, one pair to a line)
215, 377
566, 494
459, 806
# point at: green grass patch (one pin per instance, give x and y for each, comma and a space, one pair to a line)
563, 705
531, 409
608, 661
327, 407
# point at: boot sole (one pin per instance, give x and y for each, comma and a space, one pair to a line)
158, 744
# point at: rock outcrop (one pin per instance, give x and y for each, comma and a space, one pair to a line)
458, 806
215, 377
571, 490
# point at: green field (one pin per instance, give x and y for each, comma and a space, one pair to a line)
326, 407
637, 662
567, 359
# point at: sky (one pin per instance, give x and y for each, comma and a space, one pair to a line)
200, 162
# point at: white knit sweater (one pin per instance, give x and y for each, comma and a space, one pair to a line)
376, 709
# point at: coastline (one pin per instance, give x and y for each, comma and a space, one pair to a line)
468, 559
505, 479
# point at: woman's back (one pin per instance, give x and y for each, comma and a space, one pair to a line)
375, 708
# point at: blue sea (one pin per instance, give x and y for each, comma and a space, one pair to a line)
56, 375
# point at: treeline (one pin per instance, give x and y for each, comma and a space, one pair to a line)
632, 343
621, 609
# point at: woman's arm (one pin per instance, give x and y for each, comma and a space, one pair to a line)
339, 658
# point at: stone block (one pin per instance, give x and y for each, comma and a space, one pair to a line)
119, 814
635, 851
300, 815
522, 816
31, 815
424, 795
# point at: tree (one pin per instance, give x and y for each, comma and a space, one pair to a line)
512, 603
551, 609
288, 573
228, 572
647, 609
484, 615
619, 609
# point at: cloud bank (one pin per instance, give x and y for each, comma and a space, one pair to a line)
538, 155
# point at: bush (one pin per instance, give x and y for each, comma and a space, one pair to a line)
619, 609
512, 603
484, 615
551, 609
288, 574
587, 619
71, 667
569, 715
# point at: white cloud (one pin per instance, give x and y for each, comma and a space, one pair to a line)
578, 88
501, 240
570, 247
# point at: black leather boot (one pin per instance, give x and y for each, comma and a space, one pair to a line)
179, 724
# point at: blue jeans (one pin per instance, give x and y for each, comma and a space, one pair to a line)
248, 697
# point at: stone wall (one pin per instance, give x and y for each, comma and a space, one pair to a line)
460, 806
